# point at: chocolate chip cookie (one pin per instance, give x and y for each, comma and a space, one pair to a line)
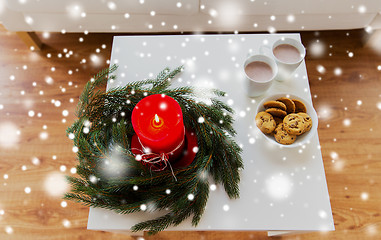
299, 106
290, 105
265, 122
275, 104
307, 121
294, 124
276, 112
282, 136
278, 120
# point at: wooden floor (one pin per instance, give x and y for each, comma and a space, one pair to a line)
36, 88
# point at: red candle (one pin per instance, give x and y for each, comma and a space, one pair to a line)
158, 123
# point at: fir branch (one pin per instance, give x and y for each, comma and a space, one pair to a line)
109, 129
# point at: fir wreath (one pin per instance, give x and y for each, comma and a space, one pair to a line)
104, 128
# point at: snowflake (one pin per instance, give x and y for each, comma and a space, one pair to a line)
317, 49
279, 186
320, 69
9, 135
86, 130
93, 179
57, 103
66, 223
62, 168
195, 149
190, 197
111, 5
364, 196
338, 71
8, 229
55, 184
143, 207
27, 190
226, 207
36, 161
271, 29
75, 149
29, 20
361, 9
291, 18
44, 135
347, 122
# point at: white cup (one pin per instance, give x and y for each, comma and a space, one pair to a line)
260, 72
288, 54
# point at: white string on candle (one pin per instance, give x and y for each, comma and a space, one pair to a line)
156, 158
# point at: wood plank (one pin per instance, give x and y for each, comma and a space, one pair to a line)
351, 153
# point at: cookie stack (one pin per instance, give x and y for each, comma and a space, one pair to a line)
285, 118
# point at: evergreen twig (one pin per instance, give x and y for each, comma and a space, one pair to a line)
122, 184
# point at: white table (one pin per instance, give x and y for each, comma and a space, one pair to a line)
282, 190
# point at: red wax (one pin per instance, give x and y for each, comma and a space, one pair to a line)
158, 123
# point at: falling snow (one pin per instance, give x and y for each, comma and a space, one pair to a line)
66, 223
347, 122
143, 207
27, 190
338, 71
321, 69
278, 186
190, 197
379, 105
317, 49
63, 204
55, 184
9, 135
226, 207
8, 229
364, 196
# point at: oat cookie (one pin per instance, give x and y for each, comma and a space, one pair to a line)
294, 124
290, 105
276, 112
275, 104
299, 106
282, 136
307, 121
265, 122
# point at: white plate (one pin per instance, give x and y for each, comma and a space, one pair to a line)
305, 137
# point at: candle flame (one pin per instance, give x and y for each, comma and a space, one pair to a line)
157, 120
